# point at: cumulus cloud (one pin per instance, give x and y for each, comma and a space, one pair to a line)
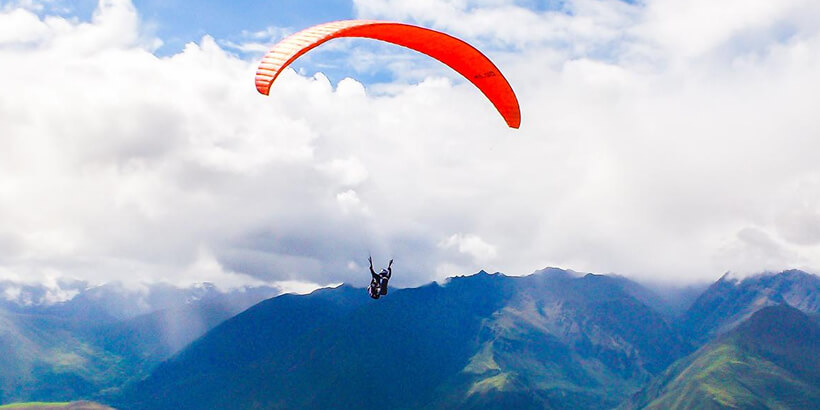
754, 251
658, 130
471, 245
118, 164
581, 25
700, 26
642, 151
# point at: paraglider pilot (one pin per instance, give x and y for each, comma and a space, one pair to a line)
378, 281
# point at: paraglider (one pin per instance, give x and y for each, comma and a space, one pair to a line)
378, 281
455, 53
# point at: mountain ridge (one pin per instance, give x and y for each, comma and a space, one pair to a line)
99, 340
730, 301
430, 343
553, 339
771, 360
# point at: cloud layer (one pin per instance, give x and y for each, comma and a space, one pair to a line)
659, 140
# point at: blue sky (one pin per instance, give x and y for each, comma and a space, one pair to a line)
179, 22
661, 140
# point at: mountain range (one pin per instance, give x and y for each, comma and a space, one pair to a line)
103, 337
771, 360
730, 301
553, 339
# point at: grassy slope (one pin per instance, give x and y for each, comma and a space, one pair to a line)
566, 341
44, 359
485, 341
726, 376
55, 355
770, 361
727, 303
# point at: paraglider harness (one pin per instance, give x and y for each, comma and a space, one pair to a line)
378, 281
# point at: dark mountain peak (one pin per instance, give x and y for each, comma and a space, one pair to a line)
479, 274
766, 277
606, 280
790, 276
730, 301
483, 273
556, 273
771, 360
343, 287
779, 325
797, 273
478, 279
496, 273
727, 277
337, 294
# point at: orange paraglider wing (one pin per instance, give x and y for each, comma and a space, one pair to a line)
455, 53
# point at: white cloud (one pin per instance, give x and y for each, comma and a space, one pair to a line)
472, 245
12, 293
348, 171
641, 151
300, 288
694, 27
579, 24
20, 27
753, 251
206, 268
448, 270
349, 202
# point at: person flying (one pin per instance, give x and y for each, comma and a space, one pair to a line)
378, 281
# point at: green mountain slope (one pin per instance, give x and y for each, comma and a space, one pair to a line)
483, 341
770, 361
78, 349
582, 342
43, 359
729, 302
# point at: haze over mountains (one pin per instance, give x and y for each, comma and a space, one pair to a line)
553, 339
102, 337
730, 301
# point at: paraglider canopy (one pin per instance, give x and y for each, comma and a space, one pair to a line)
455, 53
